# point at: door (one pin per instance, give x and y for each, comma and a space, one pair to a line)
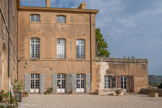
61, 83
124, 82
35, 83
80, 83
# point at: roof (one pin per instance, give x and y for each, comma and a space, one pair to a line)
50, 9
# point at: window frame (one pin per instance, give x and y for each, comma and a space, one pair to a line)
34, 48
107, 85
61, 58
80, 50
35, 18
61, 22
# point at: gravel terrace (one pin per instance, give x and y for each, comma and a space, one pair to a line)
90, 101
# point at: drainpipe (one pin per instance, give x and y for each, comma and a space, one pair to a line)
90, 54
9, 45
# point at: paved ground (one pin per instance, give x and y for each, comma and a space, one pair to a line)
90, 101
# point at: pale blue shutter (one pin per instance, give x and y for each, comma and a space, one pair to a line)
68, 83
54, 82
42, 82
27, 82
73, 79
88, 83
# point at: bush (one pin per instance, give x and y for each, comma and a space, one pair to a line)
48, 91
17, 86
160, 86
7, 101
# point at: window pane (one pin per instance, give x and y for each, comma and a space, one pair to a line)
107, 82
80, 49
35, 18
61, 48
61, 19
32, 18
34, 48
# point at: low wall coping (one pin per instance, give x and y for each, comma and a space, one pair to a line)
122, 60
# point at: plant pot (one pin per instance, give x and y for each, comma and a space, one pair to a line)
18, 95
154, 95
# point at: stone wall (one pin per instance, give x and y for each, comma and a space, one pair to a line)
138, 68
4, 42
146, 91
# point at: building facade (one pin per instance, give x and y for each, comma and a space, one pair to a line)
56, 48
8, 42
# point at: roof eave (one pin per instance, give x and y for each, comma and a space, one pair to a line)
71, 10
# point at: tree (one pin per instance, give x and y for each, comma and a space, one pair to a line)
102, 45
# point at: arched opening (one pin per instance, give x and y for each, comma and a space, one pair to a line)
4, 68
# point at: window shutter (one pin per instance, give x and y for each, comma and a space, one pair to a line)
27, 82
74, 82
54, 82
113, 82
131, 83
119, 82
42, 82
68, 83
88, 83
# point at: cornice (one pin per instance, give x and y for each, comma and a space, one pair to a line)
68, 10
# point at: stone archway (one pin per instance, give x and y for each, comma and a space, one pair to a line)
4, 68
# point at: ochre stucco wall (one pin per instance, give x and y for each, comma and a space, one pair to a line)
77, 26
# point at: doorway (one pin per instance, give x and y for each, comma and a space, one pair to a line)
80, 83
60, 83
35, 82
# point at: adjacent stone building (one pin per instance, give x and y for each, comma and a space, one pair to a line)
8, 25
130, 74
56, 48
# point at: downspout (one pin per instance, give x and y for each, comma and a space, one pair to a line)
17, 41
90, 54
9, 44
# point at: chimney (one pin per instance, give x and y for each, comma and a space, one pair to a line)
82, 6
48, 3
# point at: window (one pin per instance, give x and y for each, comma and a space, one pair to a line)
34, 83
80, 50
61, 48
123, 82
80, 82
34, 48
107, 82
61, 19
35, 18
61, 83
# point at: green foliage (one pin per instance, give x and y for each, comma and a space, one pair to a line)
25, 94
48, 91
7, 101
17, 86
102, 45
160, 86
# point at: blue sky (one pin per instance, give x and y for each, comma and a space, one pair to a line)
131, 27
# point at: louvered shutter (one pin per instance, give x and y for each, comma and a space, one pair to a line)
68, 83
42, 82
88, 83
54, 82
73, 82
27, 82
131, 83
119, 82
